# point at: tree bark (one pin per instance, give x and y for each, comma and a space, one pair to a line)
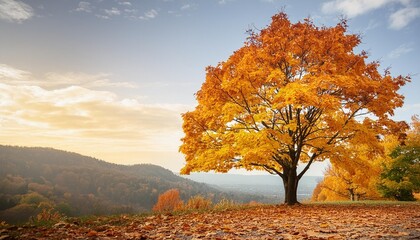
290, 183
351, 193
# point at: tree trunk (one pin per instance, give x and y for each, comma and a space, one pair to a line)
351, 193
290, 182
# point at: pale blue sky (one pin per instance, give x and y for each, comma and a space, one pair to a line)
109, 78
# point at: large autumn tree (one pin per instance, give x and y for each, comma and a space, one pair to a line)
293, 94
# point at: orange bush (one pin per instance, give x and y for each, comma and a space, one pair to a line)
198, 202
48, 215
168, 201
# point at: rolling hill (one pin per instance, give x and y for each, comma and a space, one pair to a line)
32, 179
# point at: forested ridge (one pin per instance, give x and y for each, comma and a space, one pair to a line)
32, 179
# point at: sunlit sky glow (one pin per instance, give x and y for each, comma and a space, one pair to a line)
110, 78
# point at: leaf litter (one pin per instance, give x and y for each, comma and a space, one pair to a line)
262, 222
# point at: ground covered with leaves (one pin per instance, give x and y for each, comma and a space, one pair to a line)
334, 221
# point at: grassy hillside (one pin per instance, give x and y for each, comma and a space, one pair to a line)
32, 179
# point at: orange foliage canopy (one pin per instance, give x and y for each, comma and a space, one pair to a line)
294, 93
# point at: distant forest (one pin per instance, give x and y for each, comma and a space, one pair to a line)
32, 179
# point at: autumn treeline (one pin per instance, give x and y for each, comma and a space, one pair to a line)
391, 170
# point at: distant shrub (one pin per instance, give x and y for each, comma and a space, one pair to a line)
64, 208
168, 201
45, 205
13, 185
225, 204
40, 188
33, 198
8, 201
47, 216
198, 202
19, 213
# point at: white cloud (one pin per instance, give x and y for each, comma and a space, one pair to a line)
130, 10
125, 3
78, 118
53, 80
222, 2
149, 15
10, 73
100, 80
372, 25
88, 115
353, 8
185, 7
403, 17
123, 8
102, 16
15, 11
400, 50
84, 7
113, 11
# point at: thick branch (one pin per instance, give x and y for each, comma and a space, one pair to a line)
269, 169
311, 160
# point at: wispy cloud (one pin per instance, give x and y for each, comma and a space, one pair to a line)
124, 3
102, 16
53, 80
80, 113
84, 7
372, 25
185, 7
403, 17
112, 12
10, 73
127, 10
149, 14
100, 80
401, 50
222, 2
15, 11
82, 119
